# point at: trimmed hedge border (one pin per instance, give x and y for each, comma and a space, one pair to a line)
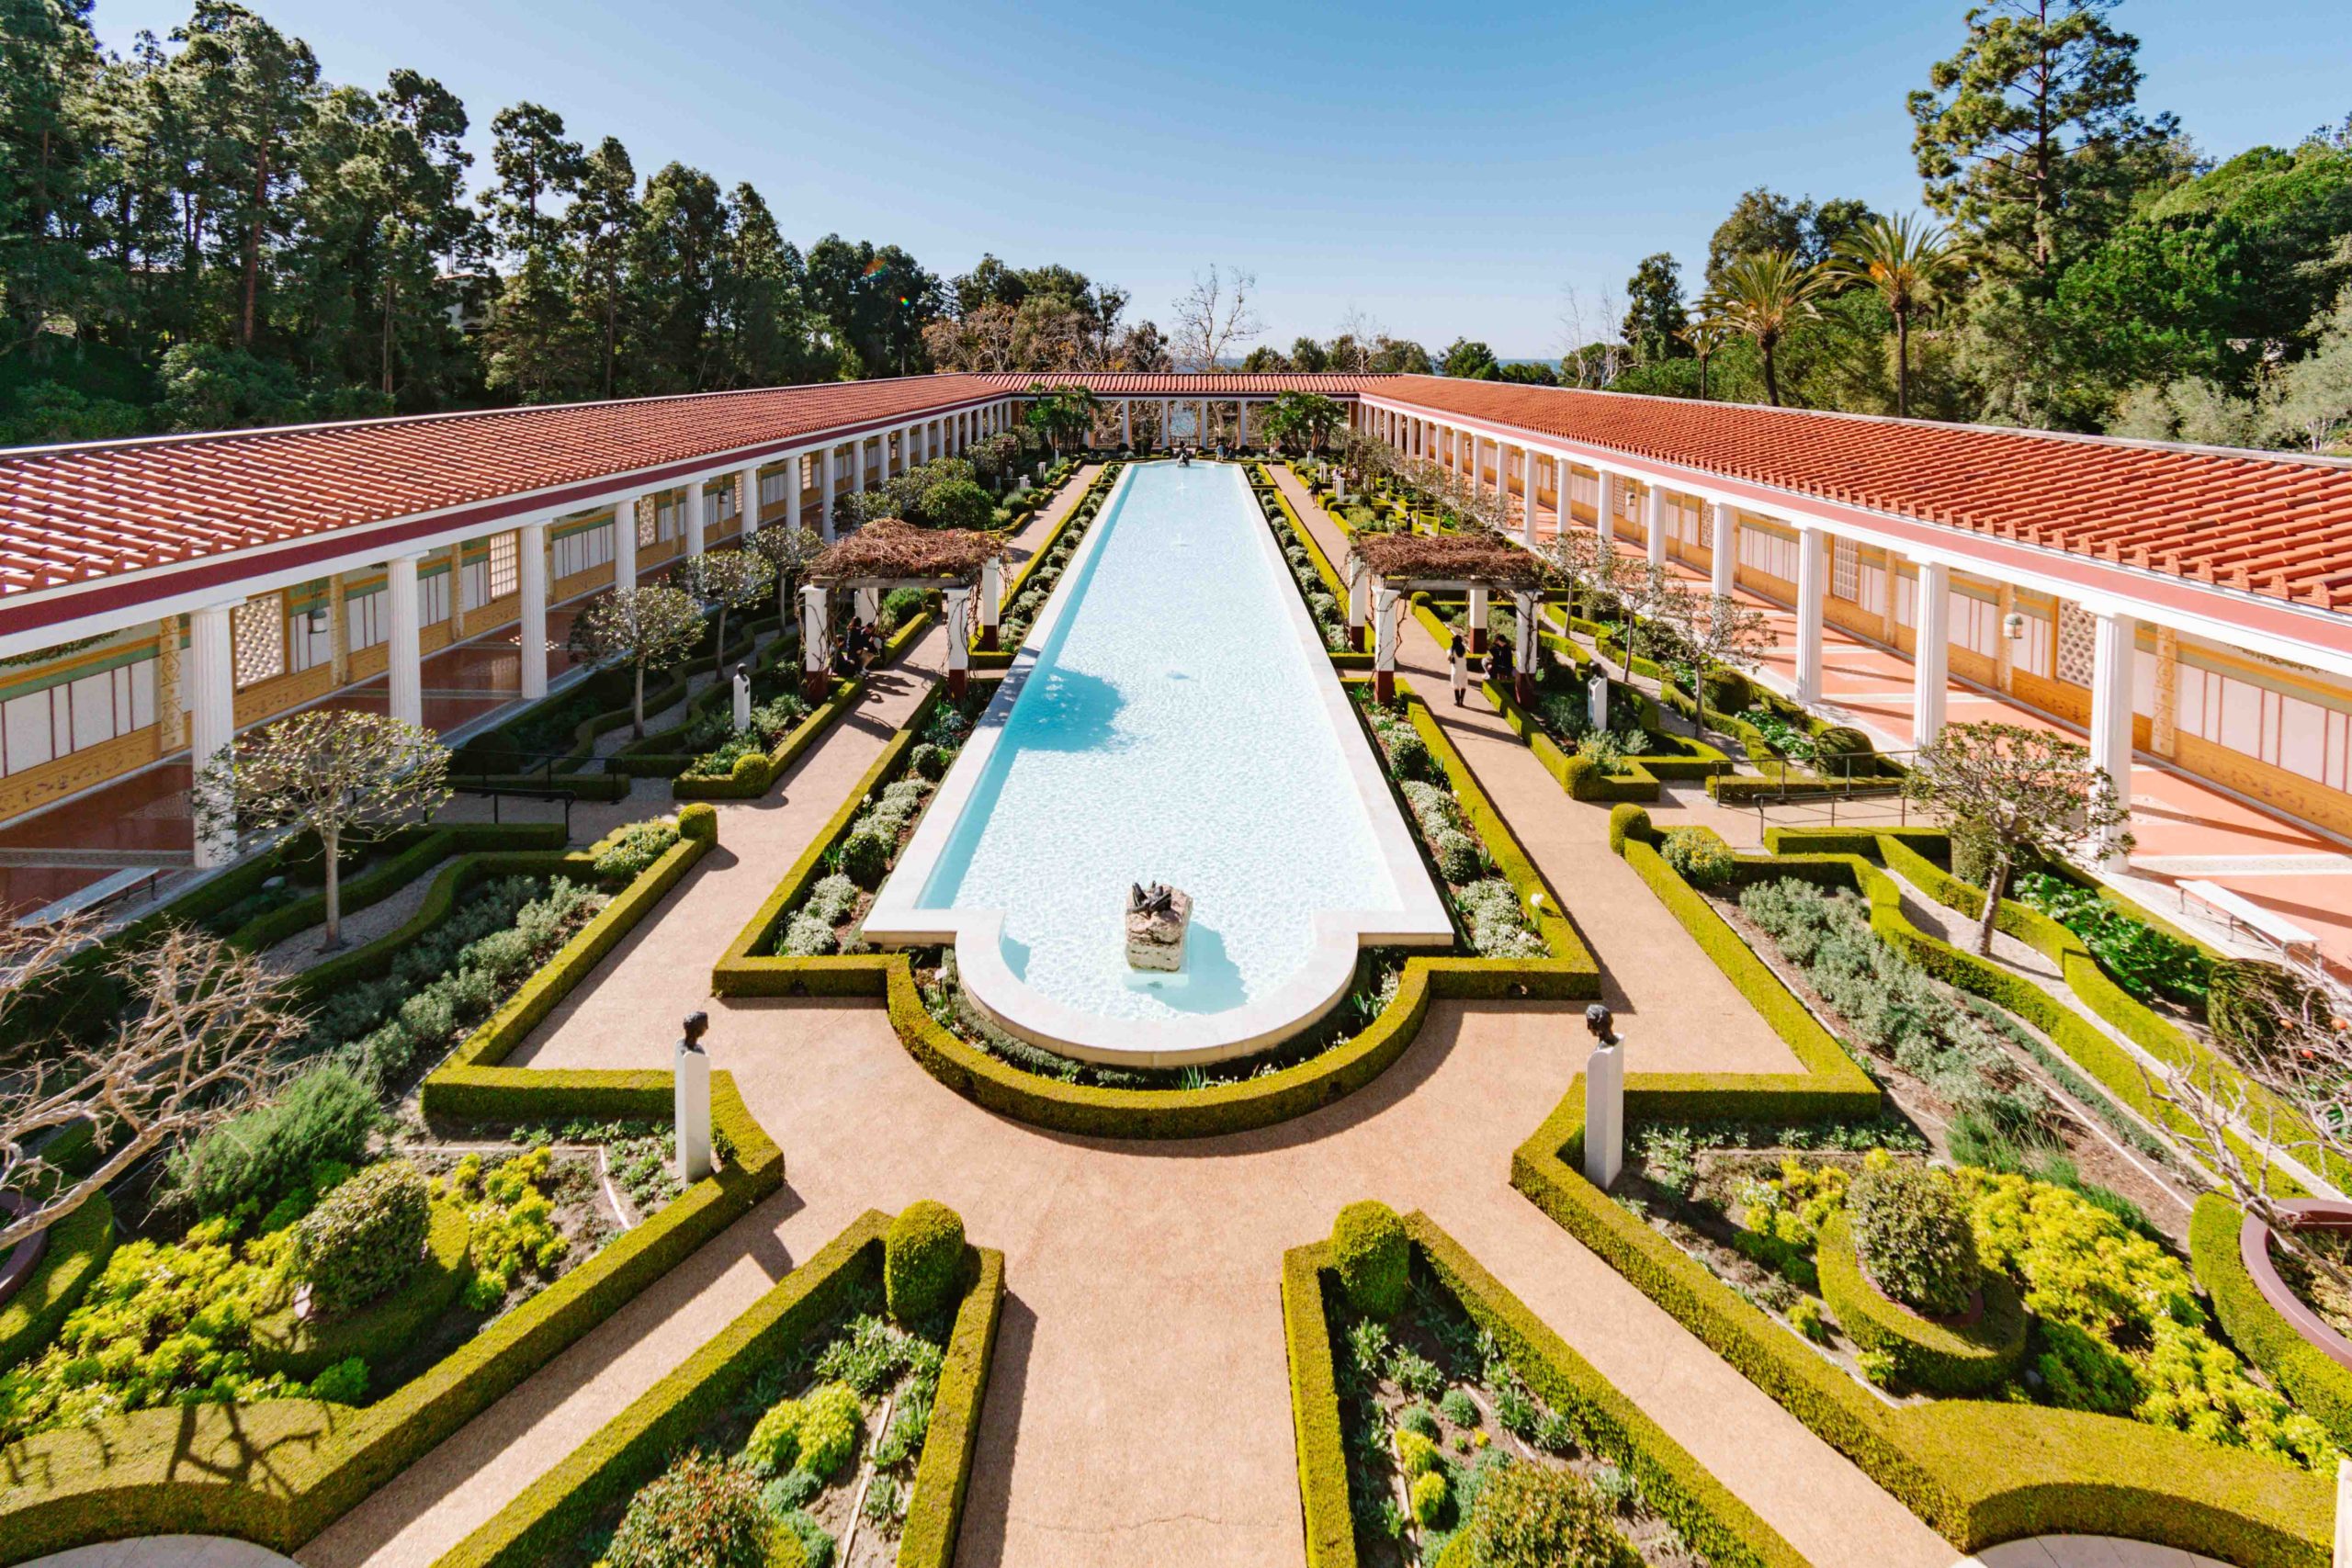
79, 1246
754, 775
1705, 1511
1099, 485
1934, 1357
1977, 1471
2308, 1376
745, 970
1642, 773
635, 1446
279, 1471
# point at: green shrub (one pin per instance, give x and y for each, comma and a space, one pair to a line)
261, 1155
1841, 741
865, 857
2247, 1002
1531, 1515
928, 760
1581, 772
1373, 1258
698, 820
1726, 691
1699, 855
700, 1513
2144, 960
923, 1260
1428, 1495
1911, 1231
1457, 855
899, 606
832, 1421
1626, 821
363, 1238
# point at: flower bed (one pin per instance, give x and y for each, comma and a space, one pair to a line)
1404, 1419
812, 1415
1025, 596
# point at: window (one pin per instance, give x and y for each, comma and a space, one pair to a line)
1775, 555
505, 565
367, 617
583, 549
310, 634
72, 716
1843, 561
258, 636
649, 525
432, 598
473, 578
2077, 644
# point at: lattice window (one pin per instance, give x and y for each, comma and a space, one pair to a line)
505, 565
258, 634
648, 525
2077, 644
1844, 579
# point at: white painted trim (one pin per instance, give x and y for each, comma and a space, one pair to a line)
899, 918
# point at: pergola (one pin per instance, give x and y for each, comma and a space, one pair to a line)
1383, 569
890, 553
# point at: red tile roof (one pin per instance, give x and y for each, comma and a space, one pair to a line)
2270, 524
1222, 384
75, 513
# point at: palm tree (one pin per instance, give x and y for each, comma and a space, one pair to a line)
1704, 335
1763, 294
1910, 261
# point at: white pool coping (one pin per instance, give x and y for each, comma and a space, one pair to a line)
1421, 919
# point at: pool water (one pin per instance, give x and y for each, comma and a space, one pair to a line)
1175, 720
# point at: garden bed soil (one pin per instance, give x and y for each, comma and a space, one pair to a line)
305, 948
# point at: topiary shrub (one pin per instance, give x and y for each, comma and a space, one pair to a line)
1700, 856
1628, 822
1530, 1516
928, 760
364, 1237
2248, 1003
702, 1512
698, 820
923, 1260
323, 1115
1580, 775
1912, 1234
1373, 1258
1726, 691
865, 857
1841, 741
1973, 849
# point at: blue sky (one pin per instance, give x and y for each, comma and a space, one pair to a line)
1446, 170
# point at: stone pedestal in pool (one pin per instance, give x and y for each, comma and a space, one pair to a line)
1157, 918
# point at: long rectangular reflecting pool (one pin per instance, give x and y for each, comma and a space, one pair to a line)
1173, 718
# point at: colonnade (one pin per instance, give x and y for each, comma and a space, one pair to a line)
1464, 449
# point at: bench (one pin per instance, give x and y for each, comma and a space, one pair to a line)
2239, 911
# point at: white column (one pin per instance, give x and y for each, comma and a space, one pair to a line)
2114, 653
625, 543
991, 599
1604, 1115
212, 719
1604, 508
1522, 614
1808, 615
690, 1108
531, 550
857, 465
1931, 617
404, 660
825, 490
1723, 570
750, 486
1359, 601
1384, 641
866, 603
815, 649
1479, 620
956, 607
694, 502
1167, 422
1527, 518
1201, 422
1127, 422
1653, 523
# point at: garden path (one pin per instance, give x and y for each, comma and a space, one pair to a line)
1138, 1410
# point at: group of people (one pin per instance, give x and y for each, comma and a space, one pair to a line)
859, 647
1498, 664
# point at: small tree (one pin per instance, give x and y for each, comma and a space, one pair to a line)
1652, 597
788, 552
1058, 412
195, 1042
2026, 792
346, 777
647, 628
1307, 418
731, 580
1727, 635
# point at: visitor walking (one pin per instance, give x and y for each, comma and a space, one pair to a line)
1458, 654
1500, 664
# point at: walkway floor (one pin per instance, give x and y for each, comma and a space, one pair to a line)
1138, 1412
